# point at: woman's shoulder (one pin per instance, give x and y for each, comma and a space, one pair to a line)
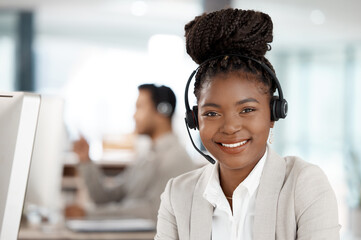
305, 175
186, 183
297, 165
191, 177
308, 190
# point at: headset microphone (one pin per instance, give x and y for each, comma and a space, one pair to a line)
191, 119
209, 158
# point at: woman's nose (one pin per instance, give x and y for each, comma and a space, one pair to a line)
231, 124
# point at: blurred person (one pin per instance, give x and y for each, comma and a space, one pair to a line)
135, 192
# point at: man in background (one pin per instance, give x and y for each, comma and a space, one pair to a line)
136, 191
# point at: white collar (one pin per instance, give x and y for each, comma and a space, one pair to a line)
213, 192
252, 180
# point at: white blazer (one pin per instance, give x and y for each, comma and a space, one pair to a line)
294, 201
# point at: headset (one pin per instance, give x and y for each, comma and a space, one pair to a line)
163, 98
165, 108
278, 105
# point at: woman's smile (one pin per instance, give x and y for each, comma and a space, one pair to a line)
233, 147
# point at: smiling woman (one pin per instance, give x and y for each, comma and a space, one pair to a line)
251, 192
234, 128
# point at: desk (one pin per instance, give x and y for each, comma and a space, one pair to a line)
27, 233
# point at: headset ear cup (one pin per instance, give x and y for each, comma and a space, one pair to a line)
195, 112
273, 105
283, 108
279, 108
190, 119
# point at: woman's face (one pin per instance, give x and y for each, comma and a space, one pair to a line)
234, 119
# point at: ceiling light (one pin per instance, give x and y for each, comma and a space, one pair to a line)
317, 17
139, 8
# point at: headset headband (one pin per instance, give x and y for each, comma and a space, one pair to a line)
278, 85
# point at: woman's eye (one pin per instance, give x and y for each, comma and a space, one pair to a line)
210, 114
247, 110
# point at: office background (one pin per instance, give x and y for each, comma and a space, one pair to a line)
94, 54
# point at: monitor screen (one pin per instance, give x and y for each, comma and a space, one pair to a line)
43, 193
18, 122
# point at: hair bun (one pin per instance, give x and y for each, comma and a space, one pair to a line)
228, 31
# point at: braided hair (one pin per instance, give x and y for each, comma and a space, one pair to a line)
230, 31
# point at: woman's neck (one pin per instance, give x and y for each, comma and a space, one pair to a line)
231, 178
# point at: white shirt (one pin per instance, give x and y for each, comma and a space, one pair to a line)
239, 225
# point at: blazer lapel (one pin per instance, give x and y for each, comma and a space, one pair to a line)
272, 179
202, 210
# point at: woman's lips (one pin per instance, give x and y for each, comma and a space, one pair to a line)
234, 147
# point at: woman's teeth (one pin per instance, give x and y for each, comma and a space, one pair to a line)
233, 145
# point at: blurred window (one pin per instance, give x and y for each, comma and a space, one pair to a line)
8, 26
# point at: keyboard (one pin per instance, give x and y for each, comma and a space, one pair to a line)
110, 225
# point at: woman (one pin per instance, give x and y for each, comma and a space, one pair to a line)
251, 192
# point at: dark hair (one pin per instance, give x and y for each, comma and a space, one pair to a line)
230, 31
163, 98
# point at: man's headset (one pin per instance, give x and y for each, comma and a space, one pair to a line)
165, 108
278, 104
164, 96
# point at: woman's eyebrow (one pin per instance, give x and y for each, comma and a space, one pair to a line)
237, 103
246, 101
211, 105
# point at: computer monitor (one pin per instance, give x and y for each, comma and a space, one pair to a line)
43, 194
18, 122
